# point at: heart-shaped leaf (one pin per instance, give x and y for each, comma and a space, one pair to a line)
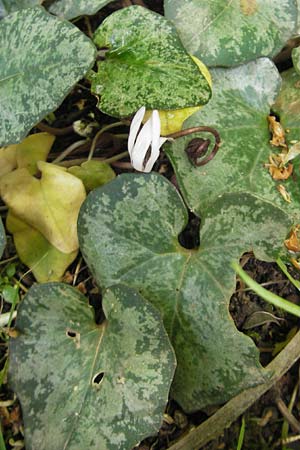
128, 232
70, 9
41, 58
10, 6
49, 204
2, 238
88, 386
44, 260
145, 65
238, 110
226, 33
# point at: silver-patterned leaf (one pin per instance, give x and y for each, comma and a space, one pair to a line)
145, 64
88, 386
128, 232
10, 6
229, 32
239, 110
69, 9
41, 58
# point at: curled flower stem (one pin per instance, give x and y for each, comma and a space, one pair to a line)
198, 151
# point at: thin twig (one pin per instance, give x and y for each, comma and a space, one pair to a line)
69, 150
77, 162
225, 416
106, 128
295, 425
55, 131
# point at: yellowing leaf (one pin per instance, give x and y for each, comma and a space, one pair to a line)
32, 149
49, 204
93, 174
171, 120
8, 161
45, 261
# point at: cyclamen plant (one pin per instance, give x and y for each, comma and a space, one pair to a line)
104, 386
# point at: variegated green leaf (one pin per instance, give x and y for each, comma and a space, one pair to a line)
2, 238
229, 32
88, 386
41, 58
238, 110
10, 6
145, 64
69, 9
128, 233
287, 104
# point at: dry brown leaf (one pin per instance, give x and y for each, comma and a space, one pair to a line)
278, 134
293, 243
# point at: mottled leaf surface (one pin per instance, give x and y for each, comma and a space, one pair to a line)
128, 232
41, 58
69, 9
238, 110
145, 65
58, 358
229, 32
10, 6
287, 104
2, 238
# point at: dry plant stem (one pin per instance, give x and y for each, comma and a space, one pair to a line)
77, 162
193, 130
107, 127
293, 422
55, 131
68, 151
223, 418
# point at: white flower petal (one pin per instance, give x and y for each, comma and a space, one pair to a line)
134, 128
141, 146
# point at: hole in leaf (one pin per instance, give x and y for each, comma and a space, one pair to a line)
98, 378
71, 334
74, 335
189, 237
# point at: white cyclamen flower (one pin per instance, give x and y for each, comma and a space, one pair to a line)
143, 146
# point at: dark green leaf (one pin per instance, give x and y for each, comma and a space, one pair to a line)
69, 9
229, 32
88, 386
128, 232
238, 110
145, 64
41, 58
